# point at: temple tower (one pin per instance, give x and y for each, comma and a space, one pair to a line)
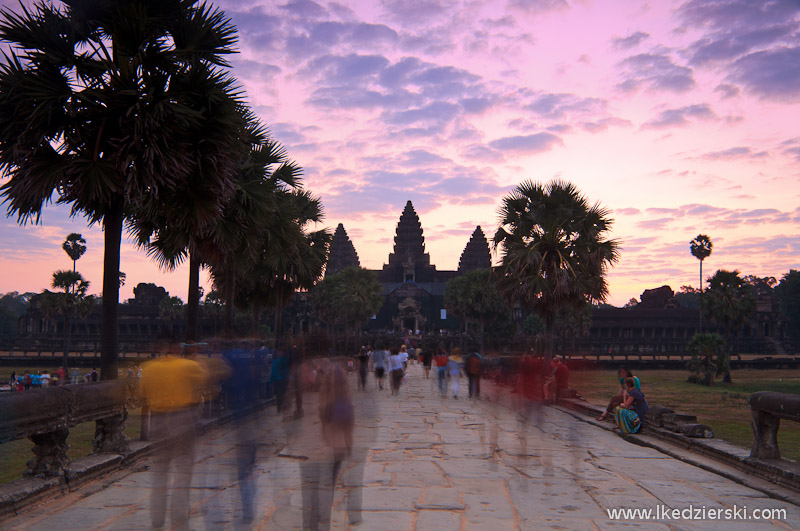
476, 254
409, 262
342, 253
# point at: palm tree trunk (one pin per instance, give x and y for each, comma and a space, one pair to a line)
193, 298
550, 339
109, 337
230, 293
483, 336
700, 305
67, 334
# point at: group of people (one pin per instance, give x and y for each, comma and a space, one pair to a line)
38, 379
175, 384
326, 439
393, 363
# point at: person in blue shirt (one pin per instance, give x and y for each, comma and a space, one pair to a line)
617, 399
628, 416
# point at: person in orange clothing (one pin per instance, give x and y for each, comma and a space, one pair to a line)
171, 386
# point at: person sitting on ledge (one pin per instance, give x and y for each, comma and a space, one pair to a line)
616, 400
628, 416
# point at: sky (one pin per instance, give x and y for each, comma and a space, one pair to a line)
678, 117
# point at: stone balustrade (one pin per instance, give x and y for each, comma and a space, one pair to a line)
768, 409
45, 416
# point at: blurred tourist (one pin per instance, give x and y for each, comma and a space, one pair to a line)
396, 370
454, 363
320, 472
379, 360
473, 368
170, 385
556, 382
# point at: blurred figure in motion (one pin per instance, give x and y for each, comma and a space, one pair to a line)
441, 368
243, 387
529, 381
379, 359
363, 368
473, 368
280, 379
556, 382
425, 358
320, 472
396, 370
171, 386
296, 359
366, 406
454, 363
404, 356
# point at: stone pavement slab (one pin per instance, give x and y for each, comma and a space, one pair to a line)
424, 462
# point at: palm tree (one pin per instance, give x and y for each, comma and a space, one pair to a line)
93, 111
701, 249
359, 297
74, 246
171, 308
288, 258
233, 240
172, 227
474, 297
71, 301
554, 250
708, 357
729, 300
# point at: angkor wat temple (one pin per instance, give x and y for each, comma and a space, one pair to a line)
413, 291
412, 287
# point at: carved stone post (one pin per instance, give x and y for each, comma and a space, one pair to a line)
765, 435
109, 434
50, 449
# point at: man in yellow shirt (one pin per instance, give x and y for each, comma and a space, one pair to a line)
172, 388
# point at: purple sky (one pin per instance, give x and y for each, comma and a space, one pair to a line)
680, 117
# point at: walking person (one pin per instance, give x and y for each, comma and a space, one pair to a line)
321, 471
279, 378
441, 369
379, 360
396, 370
425, 358
170, 385
404, 356
296, 359
473, 368
363, 368
454, 363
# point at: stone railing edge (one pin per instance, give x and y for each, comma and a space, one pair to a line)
17, 495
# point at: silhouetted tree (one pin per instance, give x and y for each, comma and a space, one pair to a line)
74, 246
729, 301
554, 250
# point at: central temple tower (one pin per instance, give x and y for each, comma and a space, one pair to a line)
408, 262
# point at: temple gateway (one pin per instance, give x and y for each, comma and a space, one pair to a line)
413, 288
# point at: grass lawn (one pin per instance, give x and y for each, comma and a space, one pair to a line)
724, 407
14, 455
